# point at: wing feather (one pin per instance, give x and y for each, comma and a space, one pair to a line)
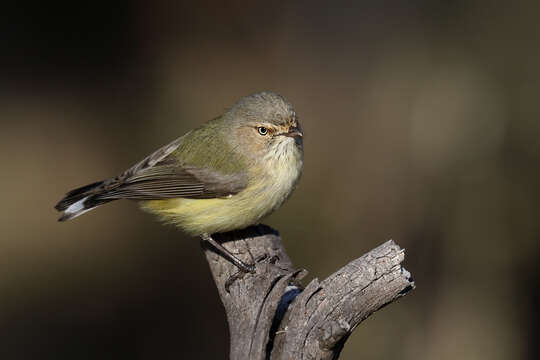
161, 175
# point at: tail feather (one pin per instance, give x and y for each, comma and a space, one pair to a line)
81, 200
77, 194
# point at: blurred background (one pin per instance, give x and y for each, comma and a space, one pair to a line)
421, 123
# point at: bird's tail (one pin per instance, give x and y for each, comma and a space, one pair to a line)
81, 200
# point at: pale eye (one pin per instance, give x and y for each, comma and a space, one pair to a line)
262, 130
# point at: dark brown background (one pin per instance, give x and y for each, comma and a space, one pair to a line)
421, 124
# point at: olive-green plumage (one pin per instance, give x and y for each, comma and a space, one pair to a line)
225, 175
206, 147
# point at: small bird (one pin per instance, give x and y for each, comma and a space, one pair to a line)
224, 175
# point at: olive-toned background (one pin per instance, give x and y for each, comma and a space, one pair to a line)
421, 124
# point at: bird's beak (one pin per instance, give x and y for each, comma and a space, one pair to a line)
293, 132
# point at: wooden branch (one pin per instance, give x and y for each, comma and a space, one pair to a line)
271, 316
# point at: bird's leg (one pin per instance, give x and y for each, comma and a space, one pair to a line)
245, 268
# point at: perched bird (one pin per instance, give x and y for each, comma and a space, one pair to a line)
224, 175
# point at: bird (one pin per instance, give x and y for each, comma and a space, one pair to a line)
225, 175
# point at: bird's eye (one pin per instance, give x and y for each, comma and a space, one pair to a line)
262, 130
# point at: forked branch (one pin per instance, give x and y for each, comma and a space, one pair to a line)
271, 316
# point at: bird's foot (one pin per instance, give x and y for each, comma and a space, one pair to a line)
249, 268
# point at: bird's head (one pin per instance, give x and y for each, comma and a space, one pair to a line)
266, 125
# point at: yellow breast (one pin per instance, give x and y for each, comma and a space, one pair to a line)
270, 184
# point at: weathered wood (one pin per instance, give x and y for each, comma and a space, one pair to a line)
271, 316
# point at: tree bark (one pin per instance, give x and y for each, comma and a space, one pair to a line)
271, 316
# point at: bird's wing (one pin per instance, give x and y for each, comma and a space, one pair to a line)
161, 175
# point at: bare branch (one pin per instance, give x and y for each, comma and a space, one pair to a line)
270, 316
